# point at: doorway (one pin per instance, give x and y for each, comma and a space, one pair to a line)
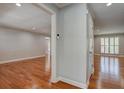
53, 38
48, 55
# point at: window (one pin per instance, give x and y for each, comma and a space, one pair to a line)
110, 45
102, 45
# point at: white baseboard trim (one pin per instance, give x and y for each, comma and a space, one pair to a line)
20, 59
97, 54
118, 55
55, 81
88, 81
72, 82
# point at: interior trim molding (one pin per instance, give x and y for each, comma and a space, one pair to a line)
21, 59
88, 80
97, 54
111, 33
111, 55
72, 82
121, 55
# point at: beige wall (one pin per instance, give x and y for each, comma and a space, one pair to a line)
121, 42
20, 44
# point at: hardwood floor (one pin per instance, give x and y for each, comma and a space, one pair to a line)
109, 73
34, 73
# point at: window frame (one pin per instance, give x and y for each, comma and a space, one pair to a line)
104, 46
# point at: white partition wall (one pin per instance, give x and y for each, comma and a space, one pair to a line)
72, 44
72, 64
90, 49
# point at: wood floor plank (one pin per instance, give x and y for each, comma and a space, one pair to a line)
109, 73
34, 73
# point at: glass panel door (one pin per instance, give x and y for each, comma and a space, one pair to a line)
110, 45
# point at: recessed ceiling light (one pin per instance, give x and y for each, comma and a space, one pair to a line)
18, 4
47, 38
108, 4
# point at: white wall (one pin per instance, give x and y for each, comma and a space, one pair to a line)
72, 45
90, 43
97, 48
109, 32
20, 44
58, 42
73, 58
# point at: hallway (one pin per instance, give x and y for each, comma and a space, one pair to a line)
108, 74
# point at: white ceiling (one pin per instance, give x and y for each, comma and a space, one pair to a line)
105, 16
28, 16
61, 5
25, 18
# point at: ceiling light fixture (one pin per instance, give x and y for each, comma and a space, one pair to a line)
47, 38
18, 4
108, 4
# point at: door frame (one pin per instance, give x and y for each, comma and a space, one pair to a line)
53, 38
